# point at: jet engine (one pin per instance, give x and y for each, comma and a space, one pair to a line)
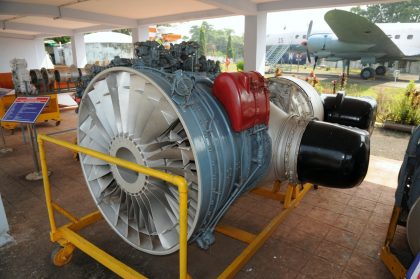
224, 136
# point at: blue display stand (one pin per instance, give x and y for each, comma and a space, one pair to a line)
26, 110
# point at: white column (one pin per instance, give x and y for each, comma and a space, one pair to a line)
140, 34
254, 42
4, 227
40, 53
78, 50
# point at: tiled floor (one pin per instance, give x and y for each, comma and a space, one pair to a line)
331, 234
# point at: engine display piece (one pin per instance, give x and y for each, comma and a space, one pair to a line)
141, 116
225, 137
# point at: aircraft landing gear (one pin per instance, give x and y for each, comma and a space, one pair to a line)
380, 70
367, 73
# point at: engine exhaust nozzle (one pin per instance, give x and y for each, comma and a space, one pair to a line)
306, 150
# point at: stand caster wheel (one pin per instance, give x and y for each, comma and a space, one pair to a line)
61, 256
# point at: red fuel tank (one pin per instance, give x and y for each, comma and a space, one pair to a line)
245, 98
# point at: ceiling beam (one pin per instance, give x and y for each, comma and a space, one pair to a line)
16, 36
241, 7
79, 15
36, 28
95, 28
184, 17
28, 9
289, 5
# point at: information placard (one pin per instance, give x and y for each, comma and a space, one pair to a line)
25, 109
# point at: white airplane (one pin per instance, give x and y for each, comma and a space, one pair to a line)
353, 37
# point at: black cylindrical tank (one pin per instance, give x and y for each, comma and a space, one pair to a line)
359, 112
333, 155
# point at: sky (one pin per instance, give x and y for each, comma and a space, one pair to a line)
276, 22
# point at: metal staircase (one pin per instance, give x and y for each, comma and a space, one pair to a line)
276, 52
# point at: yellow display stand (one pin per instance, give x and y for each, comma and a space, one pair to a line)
69, 238
387, 256
50, 112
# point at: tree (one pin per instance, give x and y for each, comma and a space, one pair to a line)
229, 51
203, 42
407, 11
63, 40
124, 31
216, 40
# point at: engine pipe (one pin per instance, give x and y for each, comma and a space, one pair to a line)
70, 74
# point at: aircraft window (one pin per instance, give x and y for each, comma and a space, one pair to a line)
304, 36
389, 36
410, 37
297, 37
397, 37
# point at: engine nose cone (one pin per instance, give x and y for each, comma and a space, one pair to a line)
130, 181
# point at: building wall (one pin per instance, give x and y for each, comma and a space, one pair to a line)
95, 52
107, 51
413, 68
31, 50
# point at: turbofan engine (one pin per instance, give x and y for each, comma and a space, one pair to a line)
225, 137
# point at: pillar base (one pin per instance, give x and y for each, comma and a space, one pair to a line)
35, 176
5, 150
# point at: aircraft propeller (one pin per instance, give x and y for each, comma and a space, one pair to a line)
307, 38
316, 60
308, 54
309, 29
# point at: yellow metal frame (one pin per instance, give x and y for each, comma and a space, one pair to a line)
69, 238
387, 257
67, 235
290, 199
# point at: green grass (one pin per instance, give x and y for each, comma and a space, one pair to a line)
359, 90
321, 70
232, 67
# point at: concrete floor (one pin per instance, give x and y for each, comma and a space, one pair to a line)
331, 234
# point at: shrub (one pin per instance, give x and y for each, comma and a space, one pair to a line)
406, 109
240, 65
384, 105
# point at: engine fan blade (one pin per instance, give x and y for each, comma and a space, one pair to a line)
135, 99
